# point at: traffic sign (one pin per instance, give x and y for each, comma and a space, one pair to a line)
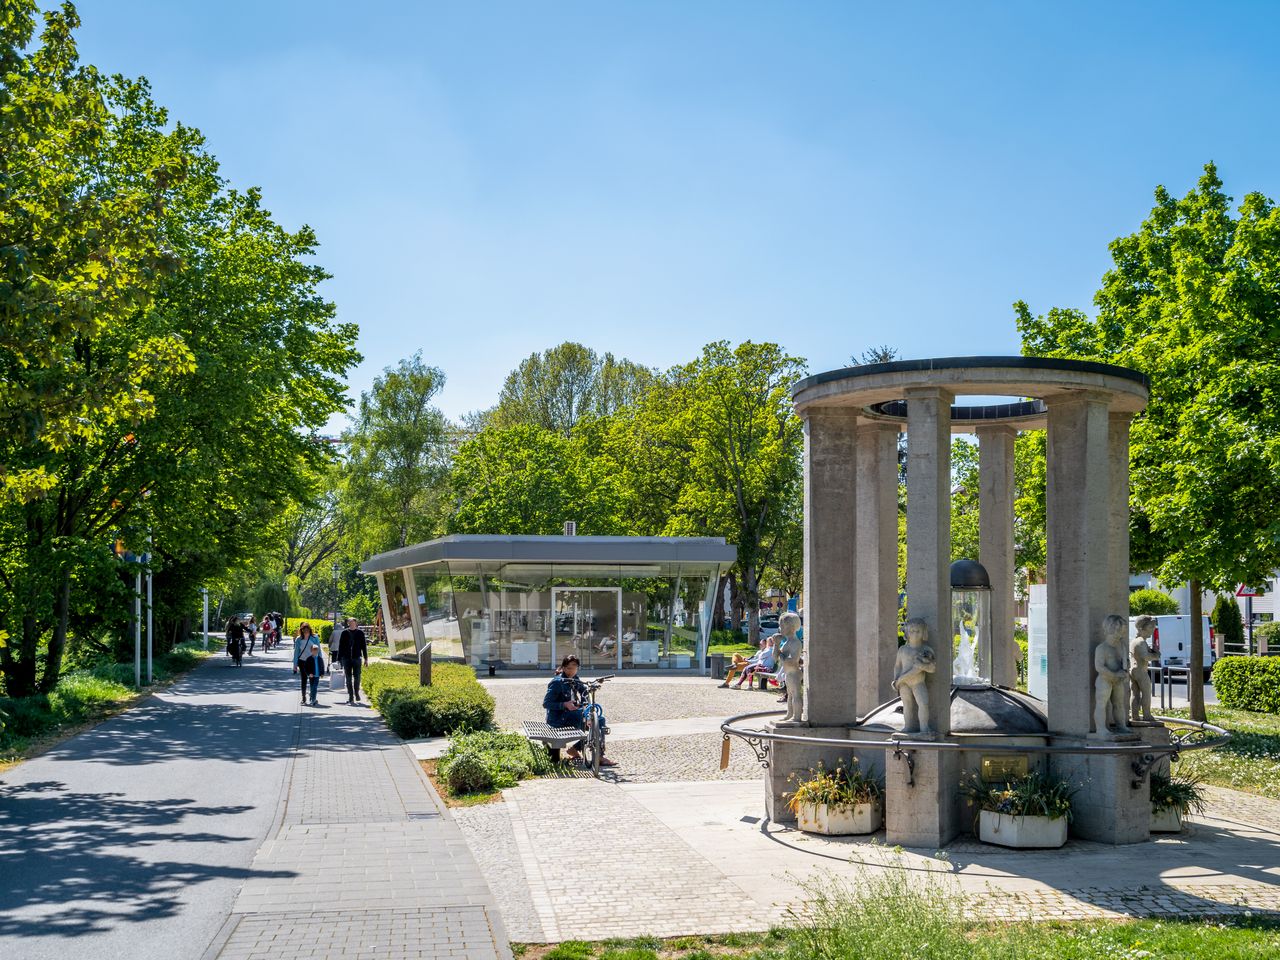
1248, 592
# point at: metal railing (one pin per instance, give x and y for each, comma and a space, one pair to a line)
1199, 736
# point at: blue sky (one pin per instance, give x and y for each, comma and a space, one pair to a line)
490, 179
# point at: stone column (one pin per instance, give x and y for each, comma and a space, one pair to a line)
929, 534
921, 809
1118, 514
995, 544
877, 571
1078, 567
830, 585
830, 567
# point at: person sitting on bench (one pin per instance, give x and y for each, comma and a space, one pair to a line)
566, 704
765, 662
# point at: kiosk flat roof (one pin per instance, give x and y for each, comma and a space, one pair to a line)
705, 551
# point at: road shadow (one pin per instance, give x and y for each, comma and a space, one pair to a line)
191, 721
67, 866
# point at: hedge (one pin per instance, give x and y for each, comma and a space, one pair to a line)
1248, 683
454, 702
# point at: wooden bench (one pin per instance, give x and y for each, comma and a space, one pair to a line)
554, 738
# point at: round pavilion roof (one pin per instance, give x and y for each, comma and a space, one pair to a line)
877, 391
977, 710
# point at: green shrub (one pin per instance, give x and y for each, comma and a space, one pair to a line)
1248, 683
326, 631
466, 773
1270, 632
454, 701
508, 757
1152, 603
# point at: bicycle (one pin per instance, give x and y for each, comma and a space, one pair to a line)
595, 727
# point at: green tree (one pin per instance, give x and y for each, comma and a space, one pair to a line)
730, 414
1228, 622
398, 458
1152, 603
529, 480
1192, 299
557, 388
219, 360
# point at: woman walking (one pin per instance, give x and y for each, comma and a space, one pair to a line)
308, 662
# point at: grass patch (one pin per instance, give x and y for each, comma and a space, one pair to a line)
1250, 761
467, 800
896, 914
30, 725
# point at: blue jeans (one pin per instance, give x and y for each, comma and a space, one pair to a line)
315, 685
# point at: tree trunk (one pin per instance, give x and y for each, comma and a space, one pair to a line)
58, 641
1195, 682
751, 594
733, 601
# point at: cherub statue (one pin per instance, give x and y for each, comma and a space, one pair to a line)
1109, 689
1141, 653
915, 661
789, 653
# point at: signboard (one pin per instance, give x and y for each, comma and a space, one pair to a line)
1248, 592
1002, 768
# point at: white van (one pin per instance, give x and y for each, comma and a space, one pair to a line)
1173, 641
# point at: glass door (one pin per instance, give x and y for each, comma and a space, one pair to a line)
585, 622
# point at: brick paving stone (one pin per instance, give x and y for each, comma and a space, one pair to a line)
601, 865
361, 826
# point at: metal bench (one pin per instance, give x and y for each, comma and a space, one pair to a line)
762, 678
554, 738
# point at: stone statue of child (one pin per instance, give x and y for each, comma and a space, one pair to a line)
1110, 659
915, 661
1141, 653
789, 653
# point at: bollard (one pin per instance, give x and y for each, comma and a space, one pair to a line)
424, 666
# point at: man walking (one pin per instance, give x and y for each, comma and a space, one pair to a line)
352, 648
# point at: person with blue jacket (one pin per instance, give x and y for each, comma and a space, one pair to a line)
566, 704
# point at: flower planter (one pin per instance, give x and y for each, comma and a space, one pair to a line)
1023, 832
1166, 820
839, 820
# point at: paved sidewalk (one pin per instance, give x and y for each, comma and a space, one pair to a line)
365, 863
667, 857
219, 819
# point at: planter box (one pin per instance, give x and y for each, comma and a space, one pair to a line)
839, 821
1023, 832
1168, 820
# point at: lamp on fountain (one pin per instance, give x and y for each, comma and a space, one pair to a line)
971, 623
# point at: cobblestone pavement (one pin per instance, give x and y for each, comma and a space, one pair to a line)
360, 825
668, 759
626, 699
646, 852
488, 830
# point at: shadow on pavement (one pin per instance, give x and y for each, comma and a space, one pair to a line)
58, 847
188, 723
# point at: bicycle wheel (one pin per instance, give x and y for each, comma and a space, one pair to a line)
593, 743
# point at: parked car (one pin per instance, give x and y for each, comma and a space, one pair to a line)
768, 626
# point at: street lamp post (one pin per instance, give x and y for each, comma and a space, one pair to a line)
149, 618
204, 593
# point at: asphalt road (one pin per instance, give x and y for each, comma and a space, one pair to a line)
132, 839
